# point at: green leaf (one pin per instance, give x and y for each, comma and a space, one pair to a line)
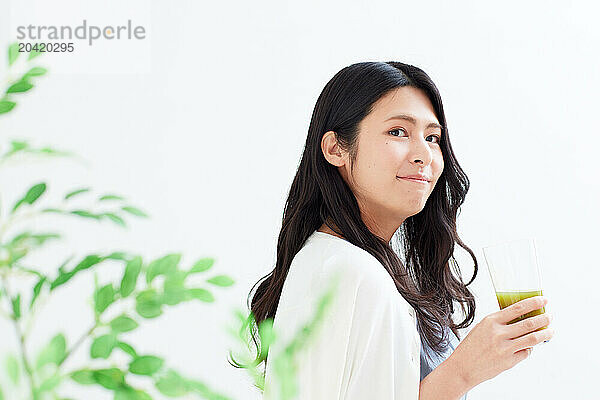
130, 276
33, 54
172, 384
221, 280
104, 297
50, 383
85, 214
135, 211
83, 376
19, 87
13, 53
13, 369
145, 365
65, 276
110, 197
76, 192
6, 106
202, 265
103, 345
117, 255
114, 217
110, 378
199, 294
162, 266
267, 336
35, 71
148, 304
16, 306
130, 393
174, 290
127, 349
53, 353
123, 323
37, 289
31, 196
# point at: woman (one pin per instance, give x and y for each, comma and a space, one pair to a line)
378, 172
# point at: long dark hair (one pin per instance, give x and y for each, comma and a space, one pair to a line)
319, 195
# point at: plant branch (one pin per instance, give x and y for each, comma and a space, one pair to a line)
21, 339
79, 341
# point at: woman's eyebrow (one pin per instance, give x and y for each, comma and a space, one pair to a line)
413, 120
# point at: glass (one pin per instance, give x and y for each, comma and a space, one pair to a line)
515, 273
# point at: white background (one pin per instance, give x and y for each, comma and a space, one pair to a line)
207, 137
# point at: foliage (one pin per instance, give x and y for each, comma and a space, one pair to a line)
145, 290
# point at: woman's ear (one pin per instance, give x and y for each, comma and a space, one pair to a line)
331, 149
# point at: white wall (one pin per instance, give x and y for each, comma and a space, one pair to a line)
207, 138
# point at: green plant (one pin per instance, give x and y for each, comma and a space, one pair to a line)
285, 363
144, 291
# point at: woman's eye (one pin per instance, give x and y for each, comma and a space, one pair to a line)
402, 129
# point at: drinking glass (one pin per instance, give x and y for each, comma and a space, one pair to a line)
515, 273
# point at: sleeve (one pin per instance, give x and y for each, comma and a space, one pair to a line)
361, 346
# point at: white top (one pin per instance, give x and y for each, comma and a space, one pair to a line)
367, 346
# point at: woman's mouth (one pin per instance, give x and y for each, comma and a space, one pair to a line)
421, 181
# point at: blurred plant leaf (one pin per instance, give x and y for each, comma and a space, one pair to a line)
200, 294
85, 214
221, 280
12, 368
104, 297
110, 378
130, 276
127, 349
76, 192
33, 54
35, 71
162, 266
16, 306
145, 365
148, 304
172, 384
31, 196
103, 345
113, 217
134, 211
19, 87
204, 264
129, 393
37, 289
64, 276
50, 383
53, 353
6, 106
83, 376
110, 197
13, 53
123, 323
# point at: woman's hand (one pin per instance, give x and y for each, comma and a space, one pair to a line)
492, 346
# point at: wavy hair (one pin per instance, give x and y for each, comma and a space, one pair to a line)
319, 194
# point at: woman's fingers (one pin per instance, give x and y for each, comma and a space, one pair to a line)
527, 325
532, 339
520, 308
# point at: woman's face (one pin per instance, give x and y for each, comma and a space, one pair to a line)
400, 137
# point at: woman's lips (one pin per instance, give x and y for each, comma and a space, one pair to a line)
413, 180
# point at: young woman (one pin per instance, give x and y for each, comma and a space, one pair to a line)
377, 173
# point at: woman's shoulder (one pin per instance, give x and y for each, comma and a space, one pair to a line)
326, 256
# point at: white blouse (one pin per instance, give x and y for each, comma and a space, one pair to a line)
367, 346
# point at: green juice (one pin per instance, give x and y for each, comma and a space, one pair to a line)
505, 299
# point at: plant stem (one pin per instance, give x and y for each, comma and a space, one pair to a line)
21, 339
79, 342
